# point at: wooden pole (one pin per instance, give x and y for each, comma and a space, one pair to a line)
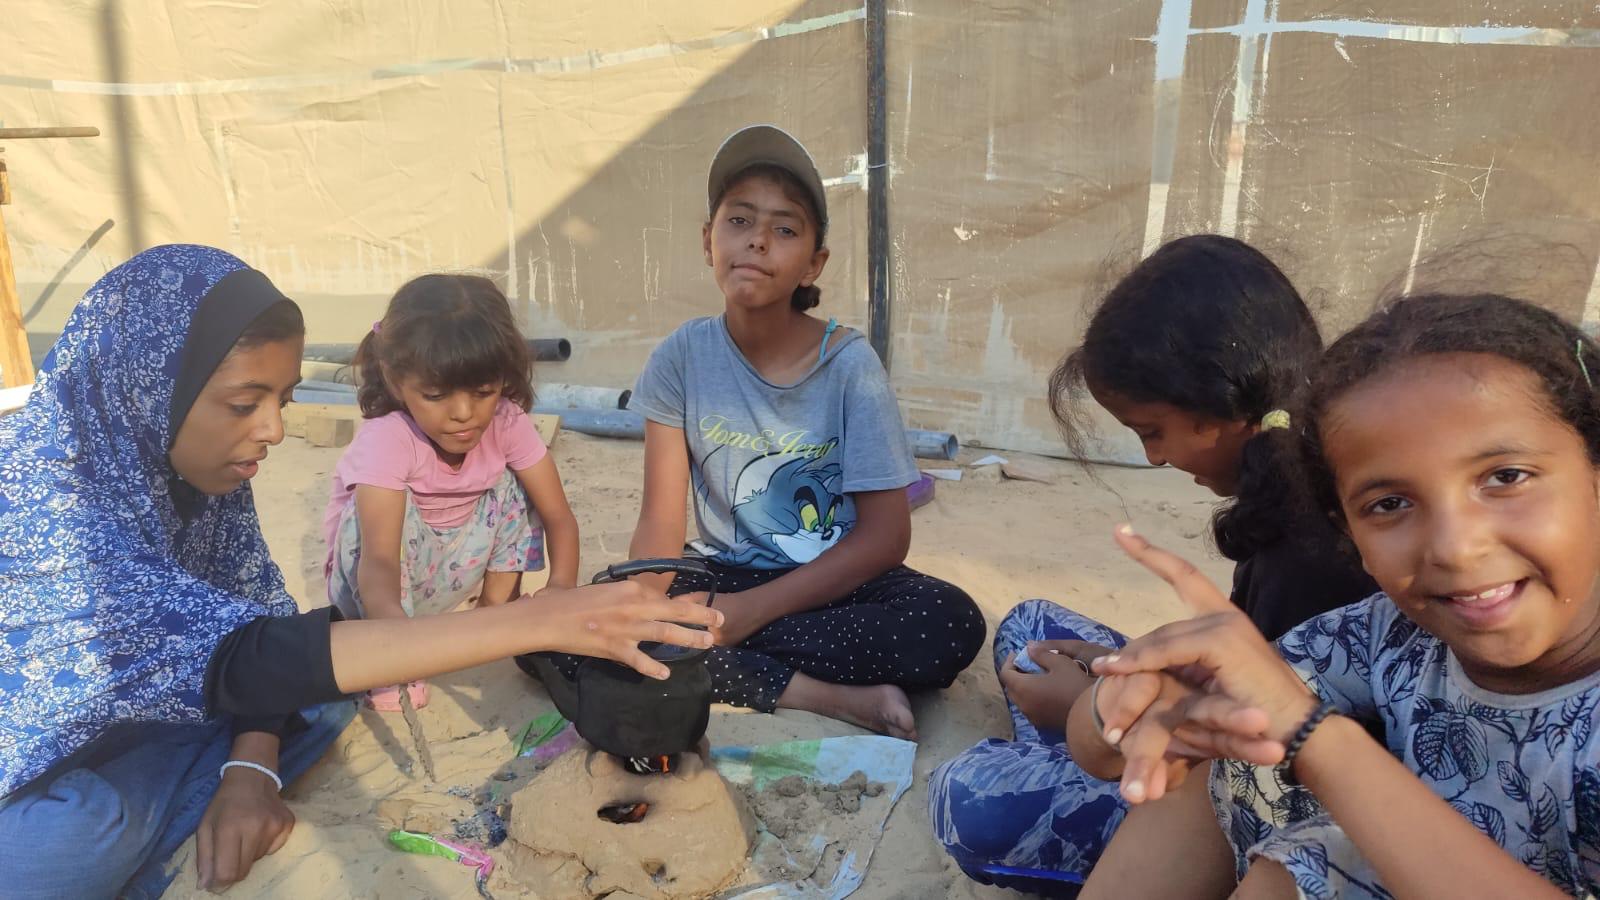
53, 131
16, 362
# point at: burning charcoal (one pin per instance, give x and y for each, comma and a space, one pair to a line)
624, 813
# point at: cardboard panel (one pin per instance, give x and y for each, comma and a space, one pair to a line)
345, 147
1406, 150
1202, 145
1556, 14
1021, 149
1035, 150
1215, 13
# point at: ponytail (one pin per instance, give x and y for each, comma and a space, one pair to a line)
372, 392
1268, 502
805, 297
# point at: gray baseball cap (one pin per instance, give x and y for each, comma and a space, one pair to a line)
770, 145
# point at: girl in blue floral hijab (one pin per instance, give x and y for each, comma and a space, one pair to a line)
155, 678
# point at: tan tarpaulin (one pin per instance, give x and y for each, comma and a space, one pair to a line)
344, 145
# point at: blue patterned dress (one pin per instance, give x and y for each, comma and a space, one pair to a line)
1525, 769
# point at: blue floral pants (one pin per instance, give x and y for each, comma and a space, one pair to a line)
1023, 803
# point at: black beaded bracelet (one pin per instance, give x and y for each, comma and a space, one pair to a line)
1301, 735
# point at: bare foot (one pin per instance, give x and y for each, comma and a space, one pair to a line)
883, 708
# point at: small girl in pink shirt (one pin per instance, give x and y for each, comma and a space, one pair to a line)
431, 502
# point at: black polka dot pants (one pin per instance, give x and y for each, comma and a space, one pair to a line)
903, 628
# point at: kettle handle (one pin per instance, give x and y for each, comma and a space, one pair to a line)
628, 569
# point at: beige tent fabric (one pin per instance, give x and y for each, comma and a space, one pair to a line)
1035, 150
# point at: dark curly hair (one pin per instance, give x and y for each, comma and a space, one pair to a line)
1562, 356
806, 296
453, 332
1211, 326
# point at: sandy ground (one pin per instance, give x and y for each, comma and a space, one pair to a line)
1003, 541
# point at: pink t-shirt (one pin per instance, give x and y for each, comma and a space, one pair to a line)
392, 452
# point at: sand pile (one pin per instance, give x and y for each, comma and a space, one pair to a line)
797, 806
586, 827
583, 826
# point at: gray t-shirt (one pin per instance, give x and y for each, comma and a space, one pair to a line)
773, 466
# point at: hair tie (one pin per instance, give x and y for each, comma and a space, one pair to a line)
1583, 367
1278, 418
377, 327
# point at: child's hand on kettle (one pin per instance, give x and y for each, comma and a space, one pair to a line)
610, 620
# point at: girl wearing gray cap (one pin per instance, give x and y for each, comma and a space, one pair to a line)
787, 428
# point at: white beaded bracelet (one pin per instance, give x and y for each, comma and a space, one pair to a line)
250, 765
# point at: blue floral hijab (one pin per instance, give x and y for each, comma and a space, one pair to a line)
111, 601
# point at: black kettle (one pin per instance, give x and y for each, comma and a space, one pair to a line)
620, 711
